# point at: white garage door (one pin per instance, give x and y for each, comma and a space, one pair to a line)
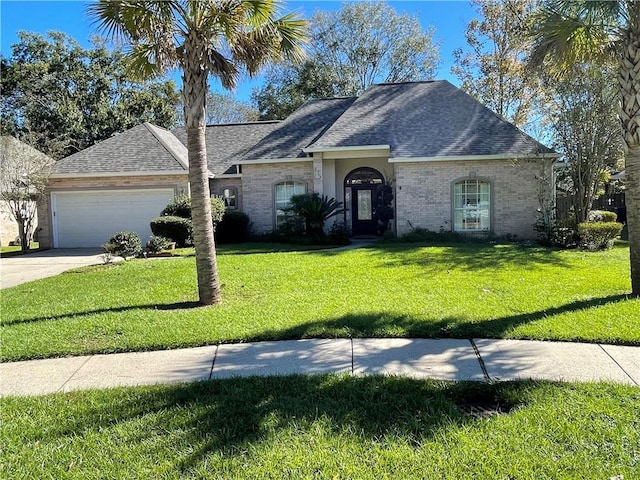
90, 218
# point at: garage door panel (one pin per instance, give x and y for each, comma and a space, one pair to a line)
88, 219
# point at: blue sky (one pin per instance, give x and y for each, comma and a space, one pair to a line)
449, 18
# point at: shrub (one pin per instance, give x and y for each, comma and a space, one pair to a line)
217, 210
419, 234
315, 210
233, 228
598, 235
602, 216
124, 244
554, 233
339, 234
156, 244
177, 229
180, 206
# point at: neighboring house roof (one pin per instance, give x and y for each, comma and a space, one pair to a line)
426, 119
229, 143
144, 148
300, 129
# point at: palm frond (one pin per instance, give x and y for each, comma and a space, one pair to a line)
569, 32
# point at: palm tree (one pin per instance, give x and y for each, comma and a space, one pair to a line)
569, 32
222, 38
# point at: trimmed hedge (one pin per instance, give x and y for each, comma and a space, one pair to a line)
180, 206
178, 229
598, 235
602, 216
233, 228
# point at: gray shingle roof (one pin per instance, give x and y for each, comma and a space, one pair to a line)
228, 143
426, 119
300, 129
143, 148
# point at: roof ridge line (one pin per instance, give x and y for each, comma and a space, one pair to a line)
151, 127
328, 126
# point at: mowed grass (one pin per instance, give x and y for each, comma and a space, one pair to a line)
325, 427
395, 290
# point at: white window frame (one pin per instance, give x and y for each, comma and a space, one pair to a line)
227, 204
282, 200
471, 205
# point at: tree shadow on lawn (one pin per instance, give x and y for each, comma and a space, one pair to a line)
389, 324
230, 415
460, 256
66, 316
373, 324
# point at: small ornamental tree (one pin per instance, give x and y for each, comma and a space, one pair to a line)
24, 174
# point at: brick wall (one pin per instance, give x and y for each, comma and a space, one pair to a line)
45, 235
424, 189
257, 189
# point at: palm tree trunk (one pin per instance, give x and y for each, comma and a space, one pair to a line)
632, 200
629, 80
194, 91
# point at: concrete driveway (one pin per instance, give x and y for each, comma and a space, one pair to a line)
25, 268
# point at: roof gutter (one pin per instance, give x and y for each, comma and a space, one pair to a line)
275, 160
120, 174
468, 158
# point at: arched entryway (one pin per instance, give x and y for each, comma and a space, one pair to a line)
360, 189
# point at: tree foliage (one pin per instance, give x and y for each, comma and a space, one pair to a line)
493, 66
569, 32
586, 132
24, 174
224, 108
74, 97
203, 38
351, 48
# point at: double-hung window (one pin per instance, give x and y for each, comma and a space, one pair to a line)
282, 197
471, 206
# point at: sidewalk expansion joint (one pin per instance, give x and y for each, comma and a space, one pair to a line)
619, 366
483, 367
74, 373
352, 355
213, 363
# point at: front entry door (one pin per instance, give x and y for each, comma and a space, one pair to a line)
362, 208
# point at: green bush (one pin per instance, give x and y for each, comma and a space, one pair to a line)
315, 210
178, 229
180, 206
339, 234
233, 228
598, 235
419, 234
124, 244
602, 216
217, 210
157, 243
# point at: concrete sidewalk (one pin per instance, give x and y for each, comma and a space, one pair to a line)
443, 359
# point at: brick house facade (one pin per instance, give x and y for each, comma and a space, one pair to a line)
451, 163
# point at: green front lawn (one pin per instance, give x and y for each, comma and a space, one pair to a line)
13, 250
396, 290
325, 427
